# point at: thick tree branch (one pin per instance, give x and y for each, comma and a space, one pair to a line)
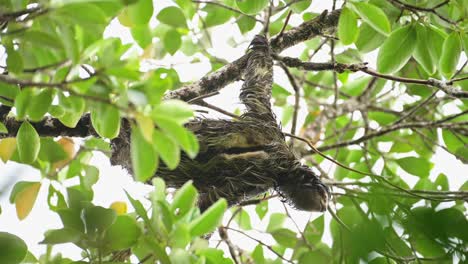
49, 126
212, 82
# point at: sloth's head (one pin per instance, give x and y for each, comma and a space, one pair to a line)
304, 191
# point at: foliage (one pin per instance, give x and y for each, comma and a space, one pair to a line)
57, 66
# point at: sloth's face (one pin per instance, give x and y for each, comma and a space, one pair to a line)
305, 191
312, 197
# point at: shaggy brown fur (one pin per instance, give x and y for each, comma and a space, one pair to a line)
242, 158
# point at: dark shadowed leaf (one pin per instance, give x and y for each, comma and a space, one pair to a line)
12, 248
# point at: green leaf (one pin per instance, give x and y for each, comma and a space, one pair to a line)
464, 40
178, 111
299, 6
38, 107
347, 27
139, 209
285, 237
51, 151
184, 199
122, 234
314, 230
28, 143
172, 41
71, 219
245, 24
436, 40
14, 61
422, 49
417, 166
276, 222
22, 102
78, 199
251, 7
73, 107
8, 91
373, 15
450, 56
98, 219
172, 16
167, 149
243, 219
82, 13
141, 12
216, 16
396, 50
60, 236
12, 248
106, 120
144, 157
369, 39
180, 256
180, 236
19, 186
41, 38
179, 134
382, 118
142, 35
261, 209
209, 220
257, 254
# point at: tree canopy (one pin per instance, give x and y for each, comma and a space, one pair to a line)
369, 94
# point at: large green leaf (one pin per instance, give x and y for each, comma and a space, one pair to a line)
396, 50
141, 12
106, 120
144, 157
209, 220
172, 41
374, 16
28, 143
422, 49
417, 166
167, 149
122, 234
172, 16
12, 248
251, 7
450, 55
60, 236
98, 219
369, 39
184, 199
347, 26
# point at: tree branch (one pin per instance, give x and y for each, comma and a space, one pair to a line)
214, 81
341, 67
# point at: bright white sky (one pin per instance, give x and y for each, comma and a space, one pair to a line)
113, 180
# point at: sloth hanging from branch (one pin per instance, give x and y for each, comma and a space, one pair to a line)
242, 158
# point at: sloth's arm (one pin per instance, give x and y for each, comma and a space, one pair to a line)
258, 75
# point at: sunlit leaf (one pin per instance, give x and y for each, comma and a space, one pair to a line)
7, 148
172, 16
396, 50
209, 220
373, 15
347, 27
28, 143
24, 197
